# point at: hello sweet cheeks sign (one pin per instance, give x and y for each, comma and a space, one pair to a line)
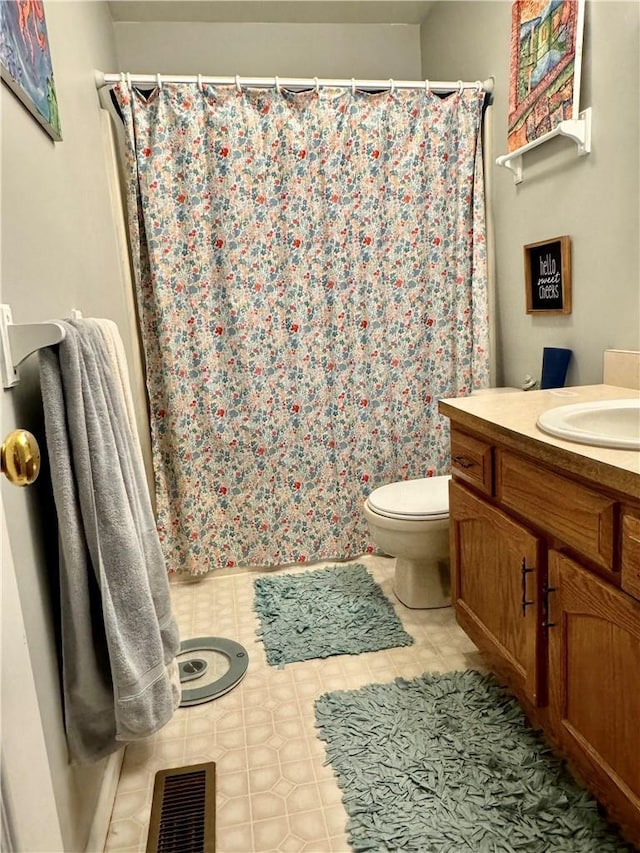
547, 271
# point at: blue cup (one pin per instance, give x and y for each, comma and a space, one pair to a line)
555, 361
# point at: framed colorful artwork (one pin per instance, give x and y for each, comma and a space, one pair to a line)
25, 61
546, 58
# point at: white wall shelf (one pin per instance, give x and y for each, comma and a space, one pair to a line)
579, 130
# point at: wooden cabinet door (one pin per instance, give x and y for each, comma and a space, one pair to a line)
594, 683
497, 576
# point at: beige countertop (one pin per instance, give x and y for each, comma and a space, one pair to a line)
513, 417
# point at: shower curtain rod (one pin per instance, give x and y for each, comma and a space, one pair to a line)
437, 86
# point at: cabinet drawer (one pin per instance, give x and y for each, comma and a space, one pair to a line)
471, 460
578, 516
631, 555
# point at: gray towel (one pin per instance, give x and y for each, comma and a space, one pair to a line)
119, 636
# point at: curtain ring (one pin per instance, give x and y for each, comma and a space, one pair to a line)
238, 86
427, 87
317, 89
158, 81
277, 85
123, 79
479, 85
353, 86
392, 86
130, 87
461, 87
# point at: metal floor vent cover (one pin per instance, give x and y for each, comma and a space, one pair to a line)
202, 677
183, 811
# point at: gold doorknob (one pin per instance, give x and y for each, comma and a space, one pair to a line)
20, 457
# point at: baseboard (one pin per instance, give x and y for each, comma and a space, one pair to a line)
104, 806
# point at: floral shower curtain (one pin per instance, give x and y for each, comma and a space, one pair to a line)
311, 279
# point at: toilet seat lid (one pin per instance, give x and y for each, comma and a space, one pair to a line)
427, 497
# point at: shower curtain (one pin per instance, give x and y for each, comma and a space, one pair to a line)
311, 279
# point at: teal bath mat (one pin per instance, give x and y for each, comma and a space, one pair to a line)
447, 764
339, 610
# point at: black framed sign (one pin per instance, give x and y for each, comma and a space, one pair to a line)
547, 273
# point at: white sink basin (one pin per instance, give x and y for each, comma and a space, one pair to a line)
607, 423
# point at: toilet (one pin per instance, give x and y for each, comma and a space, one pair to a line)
409, 520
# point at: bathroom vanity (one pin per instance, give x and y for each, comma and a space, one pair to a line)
545, 573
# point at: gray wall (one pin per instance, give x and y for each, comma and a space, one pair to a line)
260, 49
593, 199
59, 251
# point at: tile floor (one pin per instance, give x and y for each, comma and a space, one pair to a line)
274, 792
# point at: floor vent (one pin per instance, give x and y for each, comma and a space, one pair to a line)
183, 812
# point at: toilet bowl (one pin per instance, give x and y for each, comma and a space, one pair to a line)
409, 520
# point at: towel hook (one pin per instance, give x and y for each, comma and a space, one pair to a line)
17, 341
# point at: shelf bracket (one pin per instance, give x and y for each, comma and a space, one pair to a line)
17, 341
579, 130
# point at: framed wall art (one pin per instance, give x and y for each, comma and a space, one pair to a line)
545, 67
25, 61
547, 274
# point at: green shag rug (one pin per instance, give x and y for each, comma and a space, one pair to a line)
448, 764
338, 610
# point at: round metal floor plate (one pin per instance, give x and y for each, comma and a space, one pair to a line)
237, 660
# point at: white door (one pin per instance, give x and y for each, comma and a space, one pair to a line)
29, 814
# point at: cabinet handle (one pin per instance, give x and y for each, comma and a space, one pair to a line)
525, 571
464, 461
545, 591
